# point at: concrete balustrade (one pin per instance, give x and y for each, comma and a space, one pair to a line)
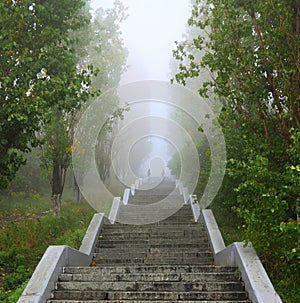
185, 193
46, 274
257, 282
126, 196
214, 234
195, 207
114, 209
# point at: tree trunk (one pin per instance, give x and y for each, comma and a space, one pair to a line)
77, 193
56, 204
56, 190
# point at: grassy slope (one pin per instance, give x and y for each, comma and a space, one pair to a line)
26, 230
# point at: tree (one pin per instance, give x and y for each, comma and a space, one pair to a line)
34, 51
253, 55
106, 52
92, 54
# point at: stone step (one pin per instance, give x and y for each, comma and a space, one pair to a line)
159, 213
115, 228
155, 226
170, 209
163, 261
157, 191
156, 255
156, 230
141, 301
164, 286
175, 208
150, 277
148, 295
159, 230
146, 201
152, 237
155, 249
179, 269
151, 242
133, 218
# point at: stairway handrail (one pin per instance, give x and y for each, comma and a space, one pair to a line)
46, 274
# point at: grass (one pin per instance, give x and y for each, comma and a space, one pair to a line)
21, 203
24, 241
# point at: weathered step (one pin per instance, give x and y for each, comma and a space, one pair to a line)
117, 228
156, 229
150, 241
148, 295
141, 301
183, 269
160, 223
160, 216
155, 248
152, 233
151, 277
162, 261
161, 255
152, 237
154, 257
164, 286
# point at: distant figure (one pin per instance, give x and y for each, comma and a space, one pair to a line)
149, 173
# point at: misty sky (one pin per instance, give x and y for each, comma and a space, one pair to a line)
149, 34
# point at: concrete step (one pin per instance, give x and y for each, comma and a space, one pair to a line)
148, 295
153, 228
153, 246
133, 218
143, 211
147, 261
157, 230
197, 236
164, 286
185, 226
151, 242
157, 255
179, 269
141, 301
156, 248
150, 277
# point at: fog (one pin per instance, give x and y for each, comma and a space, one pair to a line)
149, 34
159, 134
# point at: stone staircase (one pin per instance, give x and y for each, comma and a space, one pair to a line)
167, 261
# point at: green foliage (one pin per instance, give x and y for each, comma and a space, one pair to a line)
252, 51
37, 71
14, 272
22, 243
99, 50
29, 179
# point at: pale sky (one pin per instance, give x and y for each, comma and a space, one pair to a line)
149, 34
